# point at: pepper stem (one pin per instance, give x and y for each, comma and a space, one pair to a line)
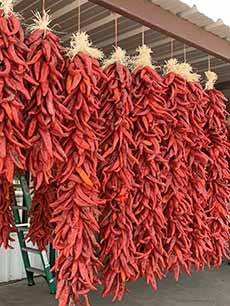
211, 79
143, 58
182, 69
80, 43
7, 6
118, 56
41, 22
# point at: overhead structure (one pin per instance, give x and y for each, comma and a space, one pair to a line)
157, 18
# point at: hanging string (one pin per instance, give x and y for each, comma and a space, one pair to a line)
143, 36
43, 8
185, 58
172, 41
79, 15
209, 63
116, 30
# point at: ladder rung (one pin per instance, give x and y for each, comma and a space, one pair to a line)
23, 229
31, 250
35, 270
20, 207
22, 225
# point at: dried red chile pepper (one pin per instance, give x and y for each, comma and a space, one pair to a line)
197, 161
45, 113
76, 210
178, 206
152, 127
13, 72
7, 225
45, 124
218, 174
41, 230
117, 180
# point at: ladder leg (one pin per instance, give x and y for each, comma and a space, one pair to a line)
45, 262
52, 256
25, 257
26, 192
49, 275
24, 212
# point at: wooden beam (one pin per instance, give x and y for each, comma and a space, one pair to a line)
223, 85
156, 18
66, 9
94, 25
121, 37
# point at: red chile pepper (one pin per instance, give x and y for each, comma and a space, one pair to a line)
117, 182
41, 230
6, 216
45, 128
12, 95
152, 127
218, 177
178, 205
197, 160
44, 112
76, 210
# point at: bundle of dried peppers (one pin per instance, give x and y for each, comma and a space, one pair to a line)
178, 205
152, 123
130, 171
76, 210
218, 174
45, 123
197, 160
118, 250
13, 73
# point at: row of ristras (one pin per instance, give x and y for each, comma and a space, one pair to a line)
129, 168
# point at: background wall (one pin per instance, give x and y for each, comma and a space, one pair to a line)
11, 263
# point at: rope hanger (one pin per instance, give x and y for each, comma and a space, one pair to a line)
185, 55
172, 47
79, 15
142, 36
116, 30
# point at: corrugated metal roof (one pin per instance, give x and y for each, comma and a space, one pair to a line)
99, 23
192, 14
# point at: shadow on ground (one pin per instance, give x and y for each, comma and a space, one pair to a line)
208, 288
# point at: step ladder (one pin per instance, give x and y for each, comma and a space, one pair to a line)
21, 221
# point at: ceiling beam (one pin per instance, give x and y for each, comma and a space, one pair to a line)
223, 85
121, 37
152, 45
175, 53
157, 18
66, 9
216, 67
95, 25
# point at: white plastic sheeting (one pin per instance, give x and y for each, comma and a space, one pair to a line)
11, 263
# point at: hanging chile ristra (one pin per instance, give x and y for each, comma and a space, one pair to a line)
152, 128
195, 146
178, 205
45, 122
218, 174
41, 230
13, 73
76, 210
45, 112
117, 178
